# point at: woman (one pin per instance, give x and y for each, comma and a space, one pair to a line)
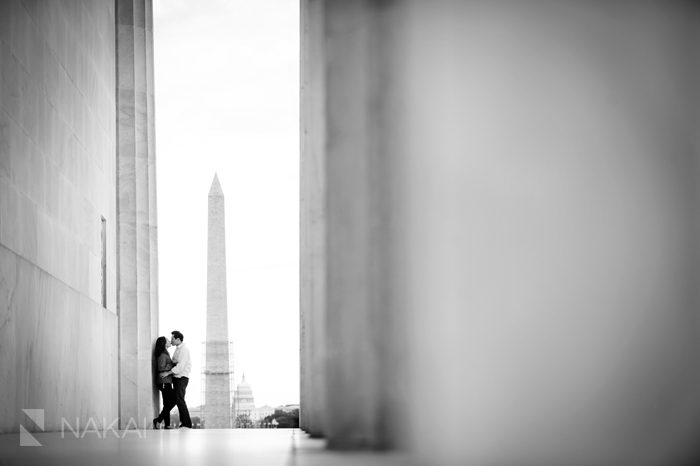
163, 363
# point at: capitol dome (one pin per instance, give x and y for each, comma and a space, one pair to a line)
243, 400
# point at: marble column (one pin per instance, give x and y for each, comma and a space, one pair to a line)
351, 353
313, 213
510, 193
137, 228
217, 395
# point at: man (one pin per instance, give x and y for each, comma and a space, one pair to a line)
181, 373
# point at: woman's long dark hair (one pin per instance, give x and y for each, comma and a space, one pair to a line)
160, 347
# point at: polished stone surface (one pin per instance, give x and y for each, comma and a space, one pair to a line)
59, 131
57, 181
249, 447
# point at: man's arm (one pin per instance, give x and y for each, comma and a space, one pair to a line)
183, 363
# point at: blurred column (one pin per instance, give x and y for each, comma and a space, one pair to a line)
137, 230
516, 183
551, 188
351, 351
313, 218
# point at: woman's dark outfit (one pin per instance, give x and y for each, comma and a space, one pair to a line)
165, 385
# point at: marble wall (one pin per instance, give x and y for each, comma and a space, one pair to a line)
500, 200
58, 342
78, 234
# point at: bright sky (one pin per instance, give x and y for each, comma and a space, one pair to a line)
227, 101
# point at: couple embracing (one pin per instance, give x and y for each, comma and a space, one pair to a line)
172, 378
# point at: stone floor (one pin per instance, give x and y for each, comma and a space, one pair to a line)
246, 447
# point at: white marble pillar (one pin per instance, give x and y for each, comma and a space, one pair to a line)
217, 396
152, 186
313, 220
138, 312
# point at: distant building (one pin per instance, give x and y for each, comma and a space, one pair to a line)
262, 412
243, 401
288, 408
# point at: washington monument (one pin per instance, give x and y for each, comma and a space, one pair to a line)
217, 394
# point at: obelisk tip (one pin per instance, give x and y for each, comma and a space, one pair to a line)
215, 189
